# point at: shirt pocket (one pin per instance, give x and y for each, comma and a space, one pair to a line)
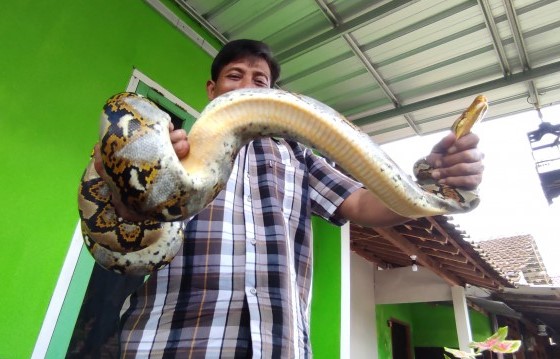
273, 182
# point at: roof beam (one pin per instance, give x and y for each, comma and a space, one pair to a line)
466, 272
517, 34
463, 266
202, 20
372, 258
521, 50
423, 234
408, 248
446, 256
362, 249
331, 16
379, 79
390, 255
436, 246
533, 302
536, 310
471, 259
485, 283
459, 94
272, 9
343, 28
494, 34
375, 245
384, 39
219, 9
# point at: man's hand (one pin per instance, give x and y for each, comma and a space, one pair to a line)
181, 147
179, 141
457, 162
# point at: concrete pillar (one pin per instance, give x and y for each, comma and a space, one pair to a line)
462, 321
358, 324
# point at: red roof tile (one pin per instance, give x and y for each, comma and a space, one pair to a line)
519, 257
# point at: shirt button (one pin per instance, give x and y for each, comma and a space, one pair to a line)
253, 241
248, 198
253, 291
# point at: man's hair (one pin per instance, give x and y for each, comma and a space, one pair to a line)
239, 49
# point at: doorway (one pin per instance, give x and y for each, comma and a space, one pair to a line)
400, 339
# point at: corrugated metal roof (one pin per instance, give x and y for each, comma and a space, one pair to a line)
404, 68
400, 68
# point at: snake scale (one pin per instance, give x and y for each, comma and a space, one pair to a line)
146, 175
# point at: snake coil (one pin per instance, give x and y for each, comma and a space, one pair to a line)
145, 174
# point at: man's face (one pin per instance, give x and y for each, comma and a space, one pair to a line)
243, 73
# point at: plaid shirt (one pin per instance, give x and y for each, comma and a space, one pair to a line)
241, 286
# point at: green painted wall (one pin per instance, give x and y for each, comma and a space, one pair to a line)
60, 61
325, 303
431, 325
434, 325
384, 313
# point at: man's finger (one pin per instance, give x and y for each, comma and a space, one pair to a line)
98, 162
467, 156
443, 145
459, 170
466, 142
465, 182
180, 143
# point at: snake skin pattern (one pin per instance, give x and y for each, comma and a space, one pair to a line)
145, 174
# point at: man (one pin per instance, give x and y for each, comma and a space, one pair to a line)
240, 286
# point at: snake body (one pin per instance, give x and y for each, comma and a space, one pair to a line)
146, 175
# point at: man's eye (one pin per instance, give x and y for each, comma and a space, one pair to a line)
261, 83
234, 76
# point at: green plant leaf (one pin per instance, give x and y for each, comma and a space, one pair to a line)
461, 354
496, 343
507, 346
491, 341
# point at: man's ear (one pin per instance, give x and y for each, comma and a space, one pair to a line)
210, 87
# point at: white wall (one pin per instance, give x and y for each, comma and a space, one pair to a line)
358, 330
402, 285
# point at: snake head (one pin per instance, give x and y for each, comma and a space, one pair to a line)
471, 116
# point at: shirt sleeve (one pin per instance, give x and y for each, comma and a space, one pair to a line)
328, 188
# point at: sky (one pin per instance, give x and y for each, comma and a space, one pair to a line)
512, 200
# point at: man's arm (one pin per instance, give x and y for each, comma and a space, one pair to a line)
363, 208
458, 163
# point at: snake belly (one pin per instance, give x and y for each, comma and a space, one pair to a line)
145, 174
